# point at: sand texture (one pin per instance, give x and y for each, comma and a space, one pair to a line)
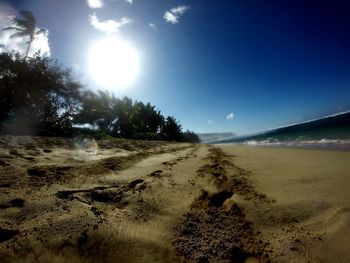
81, 200
309, 220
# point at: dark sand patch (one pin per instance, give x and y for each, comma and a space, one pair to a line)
6, 234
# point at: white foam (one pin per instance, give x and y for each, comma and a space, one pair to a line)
323, 143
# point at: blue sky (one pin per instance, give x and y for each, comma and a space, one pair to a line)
240, 66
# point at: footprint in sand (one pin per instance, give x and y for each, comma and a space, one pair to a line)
6, 234
17, 202
33, 152
219, 198
156, 173
3, 163
15, 152
169, 164
5, 185
36, 171
135, 183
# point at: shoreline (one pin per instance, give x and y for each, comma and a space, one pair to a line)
332, 147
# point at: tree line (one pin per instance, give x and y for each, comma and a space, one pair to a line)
39, 96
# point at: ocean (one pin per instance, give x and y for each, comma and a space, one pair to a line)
331, 132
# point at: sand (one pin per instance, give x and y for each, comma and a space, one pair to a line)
309, 219
81, 200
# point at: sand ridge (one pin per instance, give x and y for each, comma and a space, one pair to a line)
216, 230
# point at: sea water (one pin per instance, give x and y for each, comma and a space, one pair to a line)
331, 132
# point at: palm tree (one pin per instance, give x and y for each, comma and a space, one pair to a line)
172, 129
25, 27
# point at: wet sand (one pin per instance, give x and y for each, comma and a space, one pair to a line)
81, 200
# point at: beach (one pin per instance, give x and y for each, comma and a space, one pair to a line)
86, 200
310, 218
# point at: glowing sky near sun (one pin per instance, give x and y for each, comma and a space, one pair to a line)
113, 63
217, 66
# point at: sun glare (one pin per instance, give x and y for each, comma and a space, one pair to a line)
113, 63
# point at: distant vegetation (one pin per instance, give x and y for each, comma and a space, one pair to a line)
39, 96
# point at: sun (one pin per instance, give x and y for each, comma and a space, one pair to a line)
113, 63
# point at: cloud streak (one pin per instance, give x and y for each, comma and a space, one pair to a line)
19, 44
230, 116
108, 26
173, 15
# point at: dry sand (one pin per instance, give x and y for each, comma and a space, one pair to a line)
80, 200
309, 219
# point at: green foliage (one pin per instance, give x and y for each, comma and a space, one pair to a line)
98, 110
37, 93
172, 129
119, 117
38, 96
191, 137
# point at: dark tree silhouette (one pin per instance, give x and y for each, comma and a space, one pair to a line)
98, 110
172, 129
123, 126
146, 120
25, 26
191, 137
37, 94
119, 117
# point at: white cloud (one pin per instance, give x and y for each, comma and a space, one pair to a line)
230, 116
179, 10
108, 26
19, 44
129, 1
153, 26
95, 3
173, 15
171, 18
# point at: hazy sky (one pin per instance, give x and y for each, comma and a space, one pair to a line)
217, 66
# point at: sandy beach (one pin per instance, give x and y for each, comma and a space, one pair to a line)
81, 200
309, 219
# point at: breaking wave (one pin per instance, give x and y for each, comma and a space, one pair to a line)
328, 132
